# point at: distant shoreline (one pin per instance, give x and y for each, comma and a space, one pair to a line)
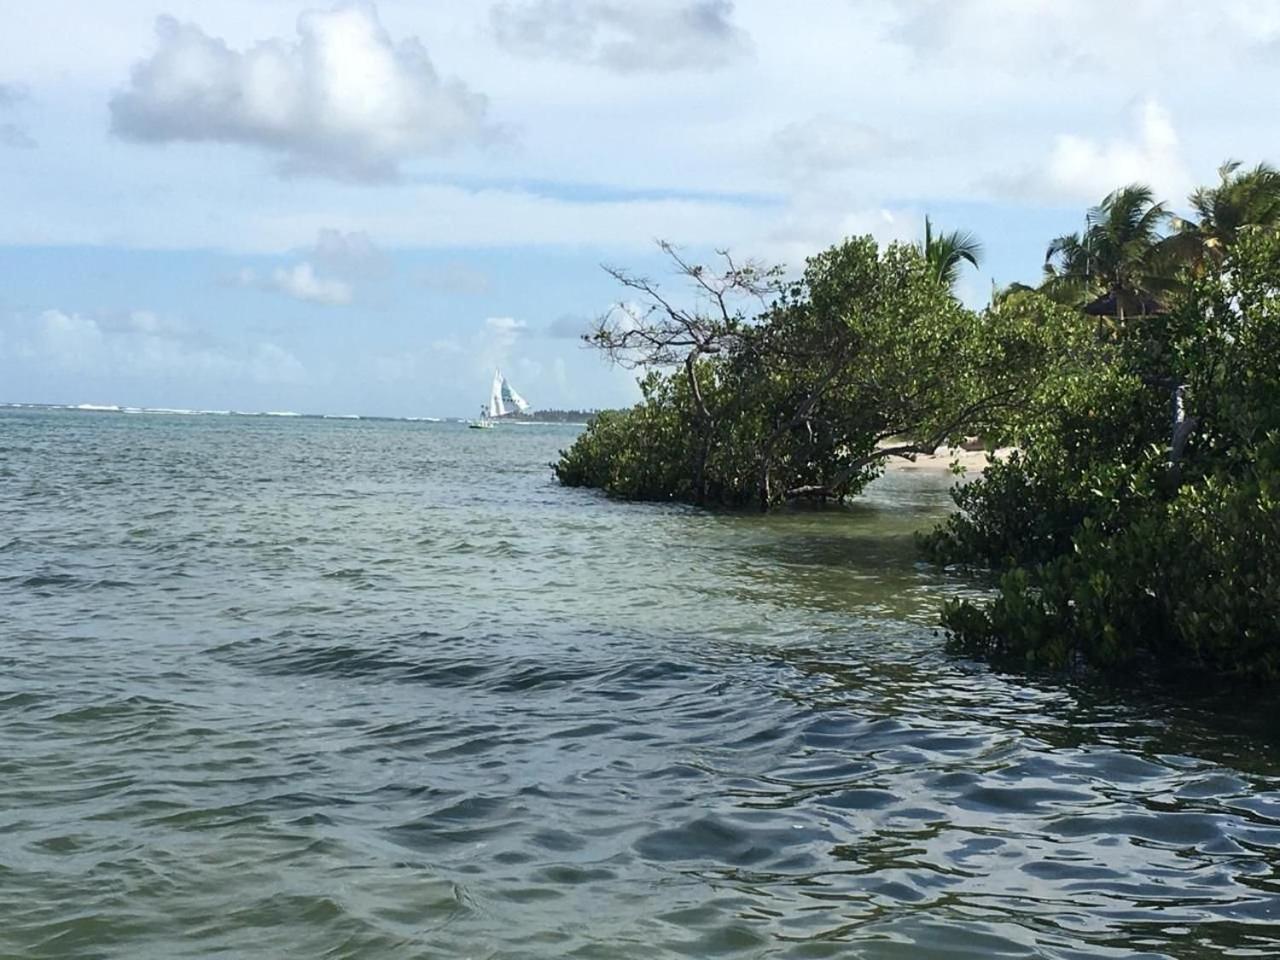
108, 408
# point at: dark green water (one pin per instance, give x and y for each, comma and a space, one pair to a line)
306, 688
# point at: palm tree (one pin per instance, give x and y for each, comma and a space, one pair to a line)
945, 253
1001, 294
1122, 263
1242, 200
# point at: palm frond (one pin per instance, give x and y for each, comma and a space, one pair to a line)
945, 252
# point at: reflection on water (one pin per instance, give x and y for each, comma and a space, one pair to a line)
352, 689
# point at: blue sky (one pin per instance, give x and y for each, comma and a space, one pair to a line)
362, 208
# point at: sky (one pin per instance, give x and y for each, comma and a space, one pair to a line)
367, 207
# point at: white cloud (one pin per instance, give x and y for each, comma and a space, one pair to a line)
1256, 20
817, 218
145, 322
142, 345
493, 345
72, 341
269, 363
345, 254
343, 100
1081, 168
828, 143
349, 254
301, 282
623, 35
1085, 37
504, 328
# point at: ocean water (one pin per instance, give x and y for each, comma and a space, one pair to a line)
290, 687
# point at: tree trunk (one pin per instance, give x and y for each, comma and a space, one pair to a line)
763, 486
703, 416
1180, 433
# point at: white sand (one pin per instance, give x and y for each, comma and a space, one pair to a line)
973, 461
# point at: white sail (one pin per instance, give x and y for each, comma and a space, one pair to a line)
510, 396
496, 408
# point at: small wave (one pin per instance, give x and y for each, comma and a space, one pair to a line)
394, 663
356, 575
49, 580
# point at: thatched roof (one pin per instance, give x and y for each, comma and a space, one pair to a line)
1108, 305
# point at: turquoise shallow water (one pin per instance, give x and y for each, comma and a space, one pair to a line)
296, 687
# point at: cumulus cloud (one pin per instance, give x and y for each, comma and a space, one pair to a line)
1040, 35
1081, 168
1087, 168
622, 35
142, 345
348, 254
506, 327
341, 256
72, 341
301, 282
819, 214
341, 100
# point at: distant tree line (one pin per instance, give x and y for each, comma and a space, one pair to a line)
556, 416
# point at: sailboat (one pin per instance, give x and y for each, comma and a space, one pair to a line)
503, 400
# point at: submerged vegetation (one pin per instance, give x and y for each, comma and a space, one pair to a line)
1137, 521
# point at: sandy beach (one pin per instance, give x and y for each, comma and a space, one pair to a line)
973, 461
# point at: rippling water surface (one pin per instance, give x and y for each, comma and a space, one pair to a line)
293, 687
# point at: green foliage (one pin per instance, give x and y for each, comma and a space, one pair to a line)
1190, 584
642, 453
1243, 200
1115, 550
800, 400
1085, 423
